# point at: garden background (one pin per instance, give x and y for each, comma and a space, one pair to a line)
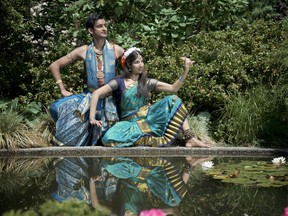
236, 91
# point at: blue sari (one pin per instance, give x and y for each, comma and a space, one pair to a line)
72, 180
142, 124
71, 114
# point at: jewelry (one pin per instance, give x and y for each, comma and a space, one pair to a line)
181, 78
100, 75
69, 57
92, 118
59, 81
188, 134
187, 168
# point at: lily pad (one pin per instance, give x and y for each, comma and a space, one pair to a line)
251, 173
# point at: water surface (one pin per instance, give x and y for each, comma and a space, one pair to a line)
231, 186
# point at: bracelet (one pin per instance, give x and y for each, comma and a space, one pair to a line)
188, 134
92, 180
187, 168
59, 81
181, 79
92, 118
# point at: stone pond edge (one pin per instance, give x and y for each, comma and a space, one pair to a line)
98, 151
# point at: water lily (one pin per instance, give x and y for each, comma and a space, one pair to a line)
207, 165
278, 161
152, 212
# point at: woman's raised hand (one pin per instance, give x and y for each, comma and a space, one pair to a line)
188, 63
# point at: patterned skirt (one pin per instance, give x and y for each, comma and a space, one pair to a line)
157, 128
71, 115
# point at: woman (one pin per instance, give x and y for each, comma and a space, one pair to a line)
141, 124
71, 112
145, 183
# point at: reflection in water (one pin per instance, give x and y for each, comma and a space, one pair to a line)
119, 186
125, 186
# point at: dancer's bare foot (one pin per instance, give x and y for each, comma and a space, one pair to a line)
194, 142
193, 161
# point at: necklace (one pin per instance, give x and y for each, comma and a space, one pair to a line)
99, 52
129, 82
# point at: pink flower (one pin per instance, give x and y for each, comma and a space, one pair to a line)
285, 212
153, 212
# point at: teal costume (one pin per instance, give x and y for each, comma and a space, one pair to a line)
142, 180
71, 114
141, 124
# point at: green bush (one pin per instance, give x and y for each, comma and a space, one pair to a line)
52, 208
225, 61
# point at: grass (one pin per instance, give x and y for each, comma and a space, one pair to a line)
200, 126
256, 117
15, 133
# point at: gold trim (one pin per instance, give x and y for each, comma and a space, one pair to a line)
142, 187
144, 140
177, 183
142, 111
144, 127
143, 173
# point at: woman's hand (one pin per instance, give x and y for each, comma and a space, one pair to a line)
188, 63
93, 121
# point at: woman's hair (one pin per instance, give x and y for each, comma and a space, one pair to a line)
92, 18
142, 82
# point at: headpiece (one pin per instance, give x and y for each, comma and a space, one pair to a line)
127, 53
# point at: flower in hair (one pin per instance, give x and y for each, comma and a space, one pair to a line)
130, 50
127, 53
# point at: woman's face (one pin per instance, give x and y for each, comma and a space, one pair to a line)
137, 66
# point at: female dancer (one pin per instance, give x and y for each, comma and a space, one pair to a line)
142, 124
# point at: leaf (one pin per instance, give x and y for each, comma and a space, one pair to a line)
174, 35
146, 28
182, 24
75, 34
174, 19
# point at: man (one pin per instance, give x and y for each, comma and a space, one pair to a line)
70, 112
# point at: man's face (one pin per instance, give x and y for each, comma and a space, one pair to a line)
100, 29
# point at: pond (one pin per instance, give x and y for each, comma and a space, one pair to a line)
177, 185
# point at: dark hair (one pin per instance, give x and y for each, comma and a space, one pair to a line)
142, 81
92, 18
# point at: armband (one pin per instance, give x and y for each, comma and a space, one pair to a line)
181, 79
59, 81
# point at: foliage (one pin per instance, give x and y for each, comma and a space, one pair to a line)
279, 57
14, 59
18, 174
21, 177
20, 125
51, 208
233, 47
262, 9
226, 61
200, 125
260, 113
249, 174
